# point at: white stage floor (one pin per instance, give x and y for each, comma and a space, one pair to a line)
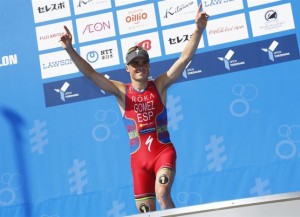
280, 205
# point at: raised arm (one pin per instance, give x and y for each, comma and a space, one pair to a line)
168, 78
114, 87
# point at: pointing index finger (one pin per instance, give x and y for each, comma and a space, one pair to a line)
200, 7
67, 30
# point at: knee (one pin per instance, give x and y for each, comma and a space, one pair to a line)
143, 207
146, 205
163, 196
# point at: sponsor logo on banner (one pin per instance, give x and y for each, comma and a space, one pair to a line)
95, 27
190, 71
50, 10
273, 53
56, 64
64, 93
127, 2
227, 29
149, 41
8, 60
229, 62
176, 38
136, 19
86, 6
48, 36
237, 58
102, 54
70, 91
271, 20
172, 12
213, 7
252, 3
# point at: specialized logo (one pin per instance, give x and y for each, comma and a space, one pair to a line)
8, 60
149, 142
229, 62
63, 92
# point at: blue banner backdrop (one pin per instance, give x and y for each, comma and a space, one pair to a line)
233, 115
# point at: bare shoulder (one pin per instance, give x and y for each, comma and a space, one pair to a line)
120, 85
120, 89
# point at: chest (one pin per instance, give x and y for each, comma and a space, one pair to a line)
143, 106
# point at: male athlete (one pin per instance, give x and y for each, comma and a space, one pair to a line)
143, 106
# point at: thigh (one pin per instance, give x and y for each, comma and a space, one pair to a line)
143, 183
165, 170
164, 180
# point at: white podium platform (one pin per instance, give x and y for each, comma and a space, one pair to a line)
279, 205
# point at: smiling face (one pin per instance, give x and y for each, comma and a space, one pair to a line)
138, 69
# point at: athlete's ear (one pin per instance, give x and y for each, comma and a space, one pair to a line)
127, 68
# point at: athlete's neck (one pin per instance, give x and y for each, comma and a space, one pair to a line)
140, 87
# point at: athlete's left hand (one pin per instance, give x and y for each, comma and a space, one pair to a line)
201, 18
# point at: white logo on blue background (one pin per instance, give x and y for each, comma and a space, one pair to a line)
216, 155
8, 60
286, 149
63, 92
227, 59
261, 187
77, 176
11, 186
229, 62
273, 53
190, 71
246, 93
271, 50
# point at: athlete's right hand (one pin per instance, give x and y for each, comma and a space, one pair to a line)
66, 39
